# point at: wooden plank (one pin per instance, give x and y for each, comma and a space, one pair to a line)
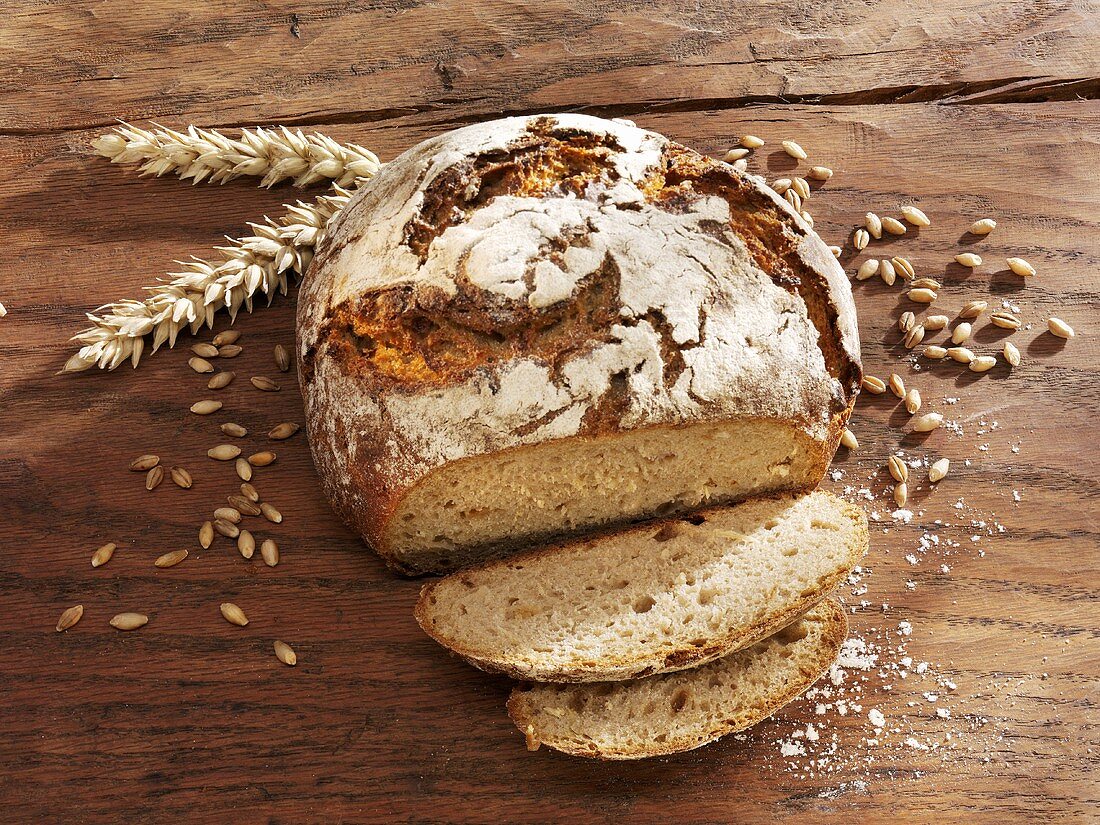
191, 718
82, 65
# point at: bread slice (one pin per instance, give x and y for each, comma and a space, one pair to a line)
653, 598
676, 712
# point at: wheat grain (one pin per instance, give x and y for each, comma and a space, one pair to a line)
751, 141
285, 653
246, 544
938, 470
983, 363
263, 383
233, 614
269, 551
893, 226
961, 333
874, 385
968, 259
221, 380
874, 225
1012, 354
144, 462
230, 350
898, 468
927, 422
281, 432
935, 352
860, 239
794, 150
233, 429
886, 272
129, 621
983, 226
922, 295
227, 528
262, 458
244, 469
250, 492
960, 354
904, 268
282, 358
912, 400
1005, 320
936, 322
227, 336
901, 493
170, 559
735, 155
245, 505
206, 407
1060, 328
230, 514
848, 439
69, 617
154, 477
205, 350
741, 165
897, 385
1020, 266
270, 513
914, 336
915, 216
907, 321
181, 478
206, 535
224, 452
103, 555
973, 309
867, 269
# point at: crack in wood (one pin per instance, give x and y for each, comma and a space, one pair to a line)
1003, 91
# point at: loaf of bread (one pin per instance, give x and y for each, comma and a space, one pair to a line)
540, 325
679, 711
659, 597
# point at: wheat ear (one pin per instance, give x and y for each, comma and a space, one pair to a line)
260, 262
273, 155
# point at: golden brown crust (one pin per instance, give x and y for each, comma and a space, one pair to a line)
622, 668
836, 631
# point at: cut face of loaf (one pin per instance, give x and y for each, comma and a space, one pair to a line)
463, 512
676, 712
537, 326
650, 599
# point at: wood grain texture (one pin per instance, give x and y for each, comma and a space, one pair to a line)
192, 719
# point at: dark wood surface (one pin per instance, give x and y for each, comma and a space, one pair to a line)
967, 109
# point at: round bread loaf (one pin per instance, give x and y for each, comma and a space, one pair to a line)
542, 325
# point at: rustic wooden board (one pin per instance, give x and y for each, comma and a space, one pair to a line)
191, 719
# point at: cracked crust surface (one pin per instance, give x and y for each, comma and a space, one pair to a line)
676, 712
558, 277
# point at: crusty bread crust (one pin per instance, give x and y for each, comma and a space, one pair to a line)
810, 669
645, 663
387, 346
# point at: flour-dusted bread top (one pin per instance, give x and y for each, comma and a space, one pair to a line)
542, 277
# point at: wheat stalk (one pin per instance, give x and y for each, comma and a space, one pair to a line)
205, 154
258, 262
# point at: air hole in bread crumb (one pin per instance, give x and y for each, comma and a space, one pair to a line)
706, 595
793, 633
680, 699
667, 531
697, 519
644, 604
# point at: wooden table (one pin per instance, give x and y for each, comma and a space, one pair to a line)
968, 109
